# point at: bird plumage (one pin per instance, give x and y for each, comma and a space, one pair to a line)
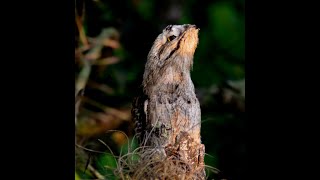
167, 90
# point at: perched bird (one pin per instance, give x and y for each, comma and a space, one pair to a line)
167, 112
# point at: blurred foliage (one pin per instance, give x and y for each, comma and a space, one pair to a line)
113, 39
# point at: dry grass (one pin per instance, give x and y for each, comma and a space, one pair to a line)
147, 162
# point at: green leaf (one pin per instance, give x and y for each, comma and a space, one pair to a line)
132, 144
106, 163
77, 177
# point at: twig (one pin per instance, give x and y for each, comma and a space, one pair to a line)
110, 110
96, 173
82, 35
83, 76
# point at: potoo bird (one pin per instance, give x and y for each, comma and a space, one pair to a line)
167, 113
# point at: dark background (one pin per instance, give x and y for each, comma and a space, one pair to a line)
218, 75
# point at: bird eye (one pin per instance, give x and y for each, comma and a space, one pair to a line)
171, 38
